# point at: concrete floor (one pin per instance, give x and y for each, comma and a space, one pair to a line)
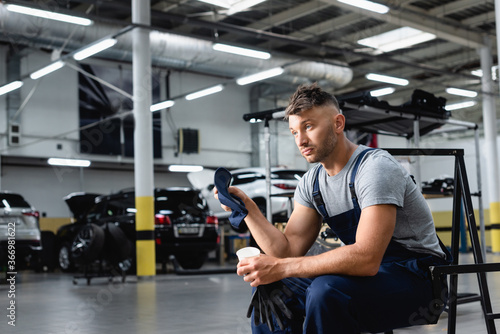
208, 303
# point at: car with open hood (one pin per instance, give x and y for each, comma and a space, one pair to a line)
104, 228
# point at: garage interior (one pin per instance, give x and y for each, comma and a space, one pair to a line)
442, 94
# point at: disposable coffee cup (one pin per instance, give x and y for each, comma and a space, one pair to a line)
247, 252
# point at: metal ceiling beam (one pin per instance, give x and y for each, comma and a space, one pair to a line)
478, 20
289, 15
328, 26
323, 27
455, 6
411, 18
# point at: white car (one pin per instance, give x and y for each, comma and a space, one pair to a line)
20, 236
253, 182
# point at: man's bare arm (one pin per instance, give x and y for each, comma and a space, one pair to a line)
362, 258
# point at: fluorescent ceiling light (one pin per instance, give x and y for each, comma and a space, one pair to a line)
242, 5
10, 87
461, 92
260, 76
49, 15
382, 91
387, 79
185, 168
47, 69
220, 3
68, 162
162, 105
94, 48
397, 39
368, 5
205, 92
233, 6
241, 51
479, 72
460, 105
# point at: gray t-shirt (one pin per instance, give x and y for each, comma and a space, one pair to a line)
380, 180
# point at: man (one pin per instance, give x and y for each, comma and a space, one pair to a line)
378, 280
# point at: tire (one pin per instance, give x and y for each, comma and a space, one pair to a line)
192, 261
47, 257
117, 246
88, 244
64, 258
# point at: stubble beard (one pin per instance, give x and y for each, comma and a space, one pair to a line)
325, 149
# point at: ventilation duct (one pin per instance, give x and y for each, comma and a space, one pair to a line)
167, 50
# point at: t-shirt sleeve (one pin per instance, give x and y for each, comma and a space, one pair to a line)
303, 192
380, 180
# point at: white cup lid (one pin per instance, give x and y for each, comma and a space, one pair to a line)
247, 252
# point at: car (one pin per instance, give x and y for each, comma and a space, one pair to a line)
20, 236
252, 181
104, 228
283, 183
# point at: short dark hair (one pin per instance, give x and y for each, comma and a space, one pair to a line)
308, 96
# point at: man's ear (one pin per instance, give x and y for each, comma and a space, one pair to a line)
339, 122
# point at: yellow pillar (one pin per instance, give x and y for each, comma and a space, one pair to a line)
495, 226
145, 243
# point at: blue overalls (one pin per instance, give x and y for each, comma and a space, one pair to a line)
399, 295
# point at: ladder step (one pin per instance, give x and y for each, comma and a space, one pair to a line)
492, 315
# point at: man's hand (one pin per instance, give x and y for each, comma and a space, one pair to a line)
261, 270
234, 191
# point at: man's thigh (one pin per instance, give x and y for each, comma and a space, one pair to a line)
390, 299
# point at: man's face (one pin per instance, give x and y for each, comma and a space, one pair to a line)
314, 133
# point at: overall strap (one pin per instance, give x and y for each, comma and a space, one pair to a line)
353, 174
318, 199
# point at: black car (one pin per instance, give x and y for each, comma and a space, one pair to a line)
104, 228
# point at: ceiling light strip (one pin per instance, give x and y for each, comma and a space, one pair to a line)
162, 105
205, 92
260, 76
382, 91
461, 92
68, 162
387, 79
47, 70
185, 168
460, 105
95, 48
10, 87
241, 51
49, 15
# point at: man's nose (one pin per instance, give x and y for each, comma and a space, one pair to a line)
302, 139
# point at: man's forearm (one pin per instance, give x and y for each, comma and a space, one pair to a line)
271, 240
346, 260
